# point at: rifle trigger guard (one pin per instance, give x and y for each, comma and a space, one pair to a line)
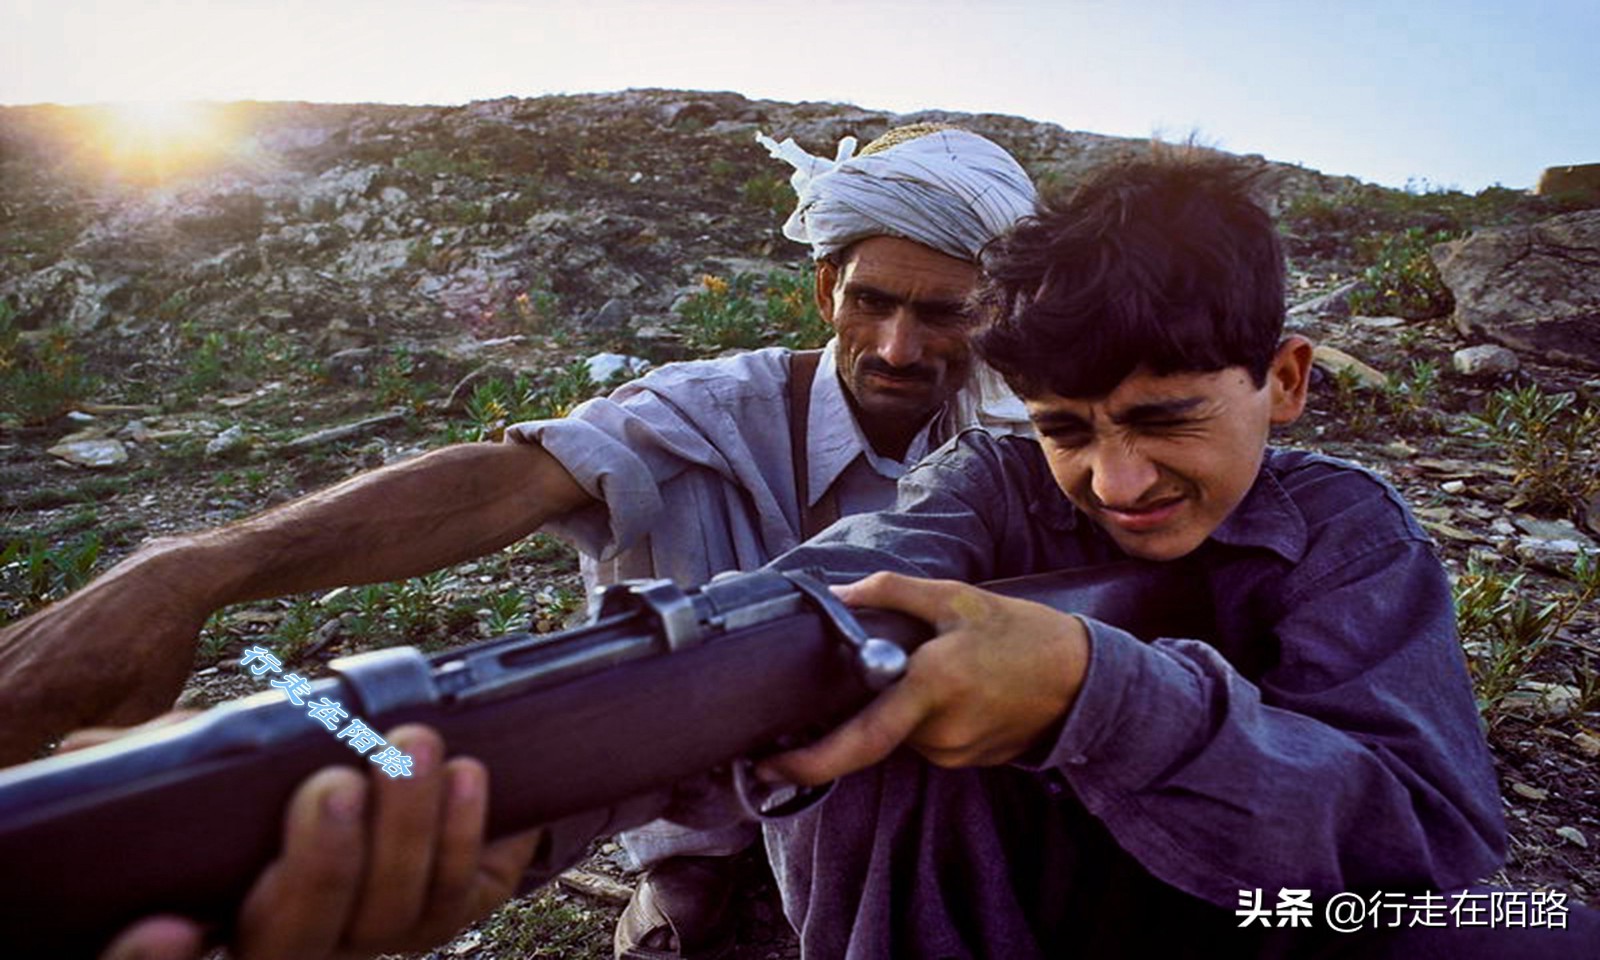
755, 797
879, 662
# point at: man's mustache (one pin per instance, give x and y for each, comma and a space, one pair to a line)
916, 371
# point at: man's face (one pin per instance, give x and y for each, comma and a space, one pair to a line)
899, 310
1161, 461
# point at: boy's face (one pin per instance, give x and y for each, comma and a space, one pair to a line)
1161, 461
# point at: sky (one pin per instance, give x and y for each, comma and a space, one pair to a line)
1460, 94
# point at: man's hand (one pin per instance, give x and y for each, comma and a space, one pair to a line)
116, 652
369, 865
999, 674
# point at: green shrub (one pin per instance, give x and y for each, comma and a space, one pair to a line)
1504, 631
751, 311
769, 192
1550, 442
41, 379
1402, 279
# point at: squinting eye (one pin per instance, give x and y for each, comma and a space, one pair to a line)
1070, 439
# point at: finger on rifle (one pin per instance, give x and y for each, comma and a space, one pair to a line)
404, 833
860, 742
300, 905
470, 877
927, 600
95, 736
158, 938
466, 807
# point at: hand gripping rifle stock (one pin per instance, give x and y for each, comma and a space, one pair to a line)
660, 687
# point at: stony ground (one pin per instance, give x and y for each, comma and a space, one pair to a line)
1546, 758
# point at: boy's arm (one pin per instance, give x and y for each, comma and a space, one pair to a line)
117, 651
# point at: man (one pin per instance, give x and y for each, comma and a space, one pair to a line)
688, 472
1071, 791
720, 465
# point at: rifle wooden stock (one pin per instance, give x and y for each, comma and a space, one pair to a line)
182, 819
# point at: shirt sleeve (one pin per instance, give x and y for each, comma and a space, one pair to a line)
683, 464
1356, 762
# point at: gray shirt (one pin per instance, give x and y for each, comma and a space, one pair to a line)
1326, 740
692, 471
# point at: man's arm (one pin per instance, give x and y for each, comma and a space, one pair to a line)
117, 651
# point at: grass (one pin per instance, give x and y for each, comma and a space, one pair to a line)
41, 377
431, 162
548, 924
1335, 223
229, 358
33, 572
496, 404
751, 311
1404, 405
768, 193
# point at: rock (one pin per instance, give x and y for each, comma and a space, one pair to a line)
1578, 182
351, 367
1545, 699
595, 885
1532, 793
67, 294
228, 441
1549, 554
1534, 289
614, 315
1334, 303
1333, 360
606, 367
94, 454
344, 431
1548, 529
1484, 360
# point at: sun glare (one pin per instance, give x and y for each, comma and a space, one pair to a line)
161, 138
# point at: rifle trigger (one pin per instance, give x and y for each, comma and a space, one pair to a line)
757, 799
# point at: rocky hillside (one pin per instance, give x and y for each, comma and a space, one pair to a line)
193, 330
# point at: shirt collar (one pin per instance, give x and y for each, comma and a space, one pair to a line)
834, 442
1267, 517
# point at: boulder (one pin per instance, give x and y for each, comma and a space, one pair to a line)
1575, 182
1335, 361
1484, 360
1535, 289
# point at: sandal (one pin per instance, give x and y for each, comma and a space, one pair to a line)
681, 909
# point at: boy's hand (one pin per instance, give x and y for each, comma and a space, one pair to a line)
999, 673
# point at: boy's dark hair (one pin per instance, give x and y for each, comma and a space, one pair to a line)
1165, 262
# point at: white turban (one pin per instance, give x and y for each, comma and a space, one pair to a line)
950, 190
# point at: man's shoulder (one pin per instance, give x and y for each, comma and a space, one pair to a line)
753, 372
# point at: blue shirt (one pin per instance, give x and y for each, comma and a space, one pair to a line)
1325, 739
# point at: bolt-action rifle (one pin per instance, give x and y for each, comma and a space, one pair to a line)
592, 726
